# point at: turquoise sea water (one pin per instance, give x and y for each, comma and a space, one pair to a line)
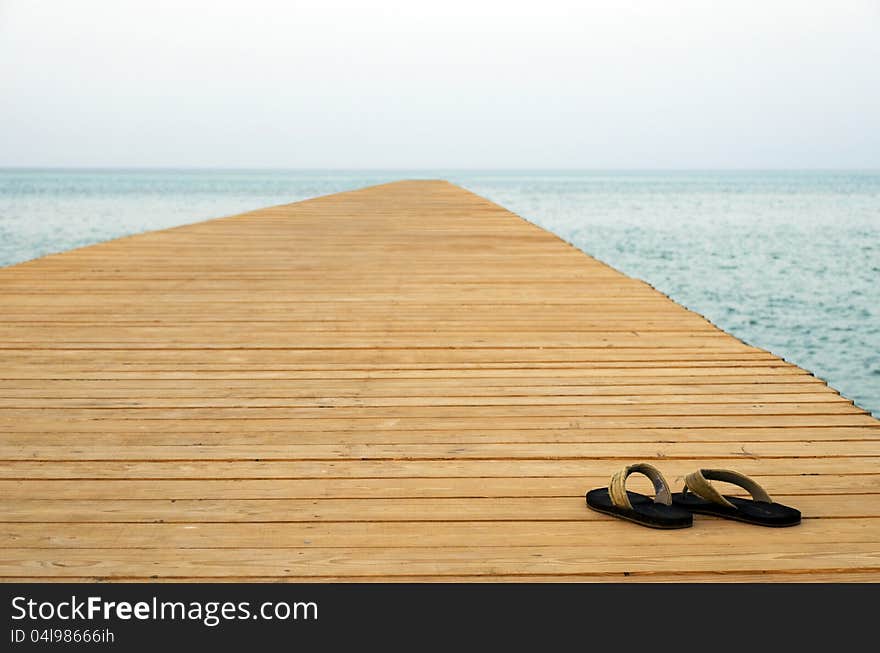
787, 261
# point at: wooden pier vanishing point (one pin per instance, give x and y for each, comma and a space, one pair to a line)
405, 382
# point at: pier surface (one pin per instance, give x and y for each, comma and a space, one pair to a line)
405, 382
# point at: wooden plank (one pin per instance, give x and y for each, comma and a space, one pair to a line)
146, 401
367, 488
256, 438
291, 450
404, 382
292, 535
412, 389
181, 423
684, 576
191, 410
425, 469
462, 357
537, 509
388, 561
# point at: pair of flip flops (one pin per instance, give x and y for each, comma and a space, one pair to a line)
675, 510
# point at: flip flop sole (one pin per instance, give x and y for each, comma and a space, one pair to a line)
747, 511
644, 513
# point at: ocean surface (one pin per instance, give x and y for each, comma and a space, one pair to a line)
787, 261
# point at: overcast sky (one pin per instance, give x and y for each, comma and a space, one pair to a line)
446, 83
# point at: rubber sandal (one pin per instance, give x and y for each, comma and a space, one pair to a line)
701, 497
657, 512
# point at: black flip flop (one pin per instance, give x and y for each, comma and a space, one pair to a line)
699, 496
617, 501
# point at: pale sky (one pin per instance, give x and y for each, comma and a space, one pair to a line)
441, 84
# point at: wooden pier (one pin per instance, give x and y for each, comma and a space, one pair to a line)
405, 382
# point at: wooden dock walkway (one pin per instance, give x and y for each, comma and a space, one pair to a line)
405, 382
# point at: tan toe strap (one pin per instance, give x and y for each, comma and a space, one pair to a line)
617, 488
698, 483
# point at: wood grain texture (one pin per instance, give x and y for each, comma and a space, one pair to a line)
402, 383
